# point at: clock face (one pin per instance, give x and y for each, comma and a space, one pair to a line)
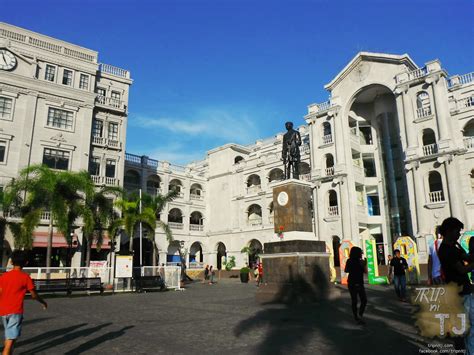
7, 60
282, 198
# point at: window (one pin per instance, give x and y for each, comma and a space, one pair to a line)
5, 108
67, 77
97, 128
94, 166
60, 118
56, 159
3, 151
115, 95
101, 92
110, 168
113, 131
436, 187
50, 72
84, 82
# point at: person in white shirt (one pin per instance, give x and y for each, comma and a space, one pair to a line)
435, 276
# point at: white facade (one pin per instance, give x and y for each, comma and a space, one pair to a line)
60, 107
391, 153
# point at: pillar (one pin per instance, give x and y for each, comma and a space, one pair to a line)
452, 174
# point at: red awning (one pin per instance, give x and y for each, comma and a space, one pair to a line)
105, 243
41, 240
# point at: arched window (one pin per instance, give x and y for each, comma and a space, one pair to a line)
436, 187
238, 159
195, 192
329, 164
195, 255
176, 185
254, 215
196, 221
423, 107
468, 134
327, 133
430, 146
175, 218
305, 171
221, 254
253, 183
275, 175
153, 185
333, 208
254, 250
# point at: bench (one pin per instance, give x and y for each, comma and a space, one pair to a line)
69, 285
144, 283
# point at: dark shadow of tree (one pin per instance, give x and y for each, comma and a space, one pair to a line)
308, 313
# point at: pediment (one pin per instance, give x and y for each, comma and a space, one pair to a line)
359, 66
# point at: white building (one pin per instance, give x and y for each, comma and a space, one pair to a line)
59, 107
390, 153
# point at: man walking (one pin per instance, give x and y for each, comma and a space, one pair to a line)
399, 265
13, 287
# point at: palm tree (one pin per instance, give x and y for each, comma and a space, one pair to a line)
58, 192
98, 215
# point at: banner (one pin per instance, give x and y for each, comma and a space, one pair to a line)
344, 251
98, 268
372, 265
123, 266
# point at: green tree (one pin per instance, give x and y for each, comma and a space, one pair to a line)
98, 216
61, 193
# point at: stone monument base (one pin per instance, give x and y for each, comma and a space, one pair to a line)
295, 271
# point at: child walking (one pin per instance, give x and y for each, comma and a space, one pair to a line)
13, 287
356, 268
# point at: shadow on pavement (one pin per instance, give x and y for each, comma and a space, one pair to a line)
292, 327
48, 335
66, 338
99, 340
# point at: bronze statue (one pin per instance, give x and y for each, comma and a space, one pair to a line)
291, 151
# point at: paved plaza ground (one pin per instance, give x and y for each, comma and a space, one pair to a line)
219, 319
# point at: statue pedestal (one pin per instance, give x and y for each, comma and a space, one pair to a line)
295, 271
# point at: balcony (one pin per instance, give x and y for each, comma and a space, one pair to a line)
106, 142
321, 107
196, 197
329, 171
175, 225
104, 180
458, 80
333, 211
469, 143
115, 71
436, 196
465, 103
45, 216
196, 227
110, 102
254, 189
327, 139
423, 112
430, 149
255, 222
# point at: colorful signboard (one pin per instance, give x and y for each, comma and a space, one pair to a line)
409, 251
372, 265
124, 266
344, 251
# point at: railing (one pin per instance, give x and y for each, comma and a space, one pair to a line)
109, 101
469, 143
323, 106
110, 69
306, 148
45, 216
102, 141
175, 225
196, 227
254, 189
195, 197
255, 222
327, 139
461, 79
305, 177
333, 211
417, 73
465, 103
104, 180
132, 158
329, 171
436, 196
430, 149
423, 112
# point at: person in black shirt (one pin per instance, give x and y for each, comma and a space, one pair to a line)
456, 265
399, 265
356, 268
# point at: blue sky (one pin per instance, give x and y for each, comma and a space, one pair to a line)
210, 72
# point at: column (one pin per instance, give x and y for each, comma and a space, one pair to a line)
418, 181
452, 174
318, 216
344, 209
441, 109
162, 257
408, 117
338, 132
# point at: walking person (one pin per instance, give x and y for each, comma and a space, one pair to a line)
456, 265
356, 267
211, 275
260, 273
13, 286
389, 269
398, 265
435, 276
206, 274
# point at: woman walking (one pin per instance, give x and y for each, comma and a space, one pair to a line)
211, 275
356, 268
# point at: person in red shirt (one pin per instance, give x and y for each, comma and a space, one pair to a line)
13, 287
260, 273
